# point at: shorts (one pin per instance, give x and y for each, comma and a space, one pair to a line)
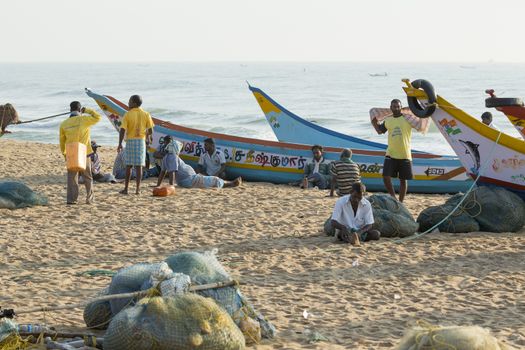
135, 153
401, 168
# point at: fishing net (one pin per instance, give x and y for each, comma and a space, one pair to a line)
204, 268
392, 224
387, 202
450, 338
174, 276
14, 195
460, 221
185, 322
328, 229
130, 279
490, 209
494, 208
97, 314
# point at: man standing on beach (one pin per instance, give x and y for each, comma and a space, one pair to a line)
398, 160
137, 126
76, 129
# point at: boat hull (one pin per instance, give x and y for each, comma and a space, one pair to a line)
279, 162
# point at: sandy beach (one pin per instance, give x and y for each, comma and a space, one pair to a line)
270, 238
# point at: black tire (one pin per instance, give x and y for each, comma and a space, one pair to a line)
414, 105
492, 102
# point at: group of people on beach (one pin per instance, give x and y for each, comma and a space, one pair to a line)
352, 217
137, 130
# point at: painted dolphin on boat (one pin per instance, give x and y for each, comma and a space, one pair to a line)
280, 162
498, 158
472, 149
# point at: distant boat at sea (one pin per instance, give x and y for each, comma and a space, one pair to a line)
384, 74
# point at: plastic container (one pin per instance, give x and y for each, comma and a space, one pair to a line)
164, 191
76, 156
32, 328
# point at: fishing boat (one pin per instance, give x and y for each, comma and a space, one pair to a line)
512, 107
280, 162
497, 158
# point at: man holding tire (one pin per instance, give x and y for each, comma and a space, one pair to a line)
398, 159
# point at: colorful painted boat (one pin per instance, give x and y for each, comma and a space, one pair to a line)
498, 157
512, 107
279, 162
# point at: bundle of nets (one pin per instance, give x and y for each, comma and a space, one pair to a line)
459, 221
185, 322
490, 209
199, 269
391, 217
450, 338
14, 195
204, 268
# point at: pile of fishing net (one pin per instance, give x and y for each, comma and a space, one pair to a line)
184, 321
14, 195
172, 279
489, 209
391, 217
452, 337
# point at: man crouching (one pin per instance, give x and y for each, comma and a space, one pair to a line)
353, 218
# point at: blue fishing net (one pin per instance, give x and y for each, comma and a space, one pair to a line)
14, 195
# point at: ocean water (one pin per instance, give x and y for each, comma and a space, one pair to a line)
215, 96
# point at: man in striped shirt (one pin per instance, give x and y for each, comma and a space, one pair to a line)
344, 173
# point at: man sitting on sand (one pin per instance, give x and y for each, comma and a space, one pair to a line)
137, 125
317, 173
96, 167
76, 129
353, 218
212, 162
186, 177
345, 173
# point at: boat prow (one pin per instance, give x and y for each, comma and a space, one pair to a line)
512, 107
497, 158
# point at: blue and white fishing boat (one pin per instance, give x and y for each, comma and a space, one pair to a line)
279, 162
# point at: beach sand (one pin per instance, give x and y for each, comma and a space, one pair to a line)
268, 236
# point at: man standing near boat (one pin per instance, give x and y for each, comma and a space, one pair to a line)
76, 129
398, 159
137, 126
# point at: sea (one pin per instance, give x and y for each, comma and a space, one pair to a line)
215, 96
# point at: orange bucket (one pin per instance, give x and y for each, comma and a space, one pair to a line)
76, 156
164, 191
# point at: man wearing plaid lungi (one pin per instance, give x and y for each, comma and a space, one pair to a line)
137, 126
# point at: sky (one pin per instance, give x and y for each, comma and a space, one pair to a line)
268, 30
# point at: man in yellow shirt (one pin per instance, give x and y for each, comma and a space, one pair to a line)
137, 126
76, 129
398, 160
